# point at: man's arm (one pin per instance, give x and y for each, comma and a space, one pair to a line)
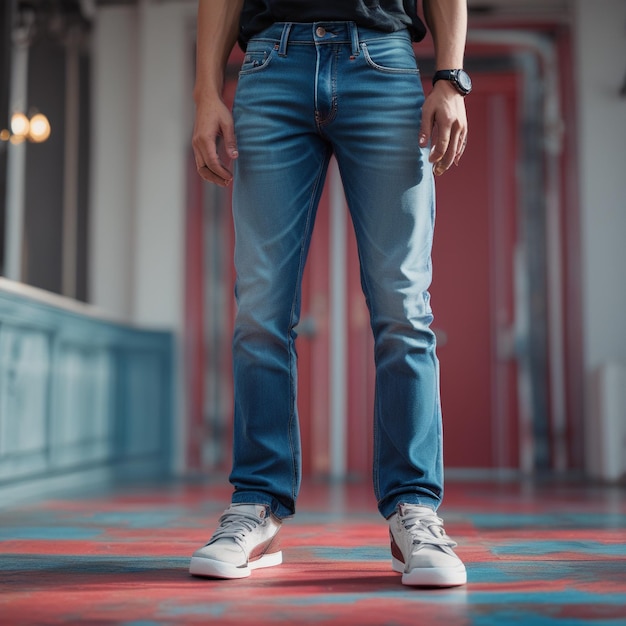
217, 30
444, 108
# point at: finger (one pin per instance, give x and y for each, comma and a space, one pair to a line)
440, 154
216, 170
211, 177
230, 141
208, 163
438, 151
215, 165
456, 138
426, 128
442, 140
460, 149
206, 173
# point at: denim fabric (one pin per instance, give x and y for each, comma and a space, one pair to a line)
306, 92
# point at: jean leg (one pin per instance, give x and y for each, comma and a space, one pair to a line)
279, 177
390, 192
407, 415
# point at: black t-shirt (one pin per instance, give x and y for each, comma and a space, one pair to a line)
385, 15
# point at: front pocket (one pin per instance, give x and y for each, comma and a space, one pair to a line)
392, 55
256, 59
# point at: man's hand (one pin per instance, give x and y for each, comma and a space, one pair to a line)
217, 29
213, 120
444, 121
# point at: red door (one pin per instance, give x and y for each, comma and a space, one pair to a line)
473, 285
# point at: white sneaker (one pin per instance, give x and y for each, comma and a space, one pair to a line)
245, 540
420, 549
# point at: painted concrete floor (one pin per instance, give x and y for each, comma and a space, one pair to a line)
543, 555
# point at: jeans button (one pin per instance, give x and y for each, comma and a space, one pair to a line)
320, 31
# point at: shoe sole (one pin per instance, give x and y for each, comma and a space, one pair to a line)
431, 576
210, 568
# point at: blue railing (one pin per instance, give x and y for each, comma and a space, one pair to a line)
83, 400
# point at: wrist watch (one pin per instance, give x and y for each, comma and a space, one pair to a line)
459, 78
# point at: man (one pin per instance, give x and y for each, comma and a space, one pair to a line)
322, 78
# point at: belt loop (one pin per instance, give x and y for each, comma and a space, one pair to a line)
284, 38
354, 36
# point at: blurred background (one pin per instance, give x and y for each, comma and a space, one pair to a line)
116, 301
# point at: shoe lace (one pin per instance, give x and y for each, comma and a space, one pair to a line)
235, 526
426, 528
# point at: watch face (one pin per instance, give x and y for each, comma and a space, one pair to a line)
464, 81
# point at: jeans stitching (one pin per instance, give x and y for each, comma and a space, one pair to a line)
292, 391
258, 68
370, 306
388, 70
332, 113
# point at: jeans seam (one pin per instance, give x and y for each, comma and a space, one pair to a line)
376, 455
388, 70
290, 341
376, 416
259, 68
370, 306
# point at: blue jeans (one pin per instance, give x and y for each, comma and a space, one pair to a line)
306, 92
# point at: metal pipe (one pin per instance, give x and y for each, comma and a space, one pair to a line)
553, 132
16, 156
70, 170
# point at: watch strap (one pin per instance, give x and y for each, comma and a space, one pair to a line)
459, 78
444, 75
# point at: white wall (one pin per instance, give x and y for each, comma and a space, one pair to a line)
164, 130
601, 60
143, 116
601, 68
142, 128
113, 172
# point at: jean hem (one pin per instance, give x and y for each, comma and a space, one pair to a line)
255, 497
387, 509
